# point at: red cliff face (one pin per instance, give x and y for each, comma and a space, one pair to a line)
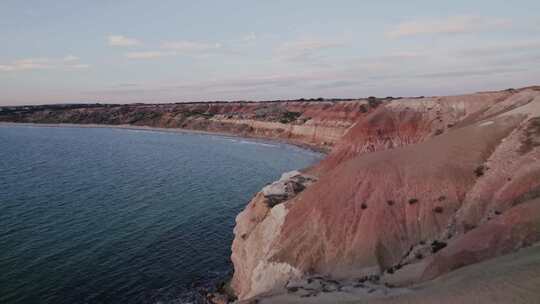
435, 182
317, 124
408, 121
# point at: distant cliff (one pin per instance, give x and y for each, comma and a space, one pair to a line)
412, 190
317, 124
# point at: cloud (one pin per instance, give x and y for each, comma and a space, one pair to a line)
334, 82
69, 61
337, 84
249, 37
78, 66
304, 49
119, 40
189, 46
174, 48
148, 55
508, 47
470, 73
450, 25
26, 64
278, 80
125, 85
71, 58
72, 62
244, 83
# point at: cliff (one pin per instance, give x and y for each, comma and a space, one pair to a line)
414, 195
414, 189
318, 124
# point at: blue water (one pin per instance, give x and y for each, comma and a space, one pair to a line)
96, 215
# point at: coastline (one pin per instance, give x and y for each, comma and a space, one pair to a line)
125, 166
305, 146
221, 287
377, 171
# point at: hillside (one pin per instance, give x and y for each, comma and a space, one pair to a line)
415, 189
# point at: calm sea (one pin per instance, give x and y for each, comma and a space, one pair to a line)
98, 215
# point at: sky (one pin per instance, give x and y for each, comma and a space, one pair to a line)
124, 51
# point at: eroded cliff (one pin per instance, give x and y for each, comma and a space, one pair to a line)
415, 189
318, 124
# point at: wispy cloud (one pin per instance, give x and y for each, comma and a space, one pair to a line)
350, 82
119, 40
190, 46
173, 48
148, 55
78, 66
71, 58
499, 48
277, 80
27, 64
72, 62
304, 49
470, 73
249, 37
450, 25
243, 83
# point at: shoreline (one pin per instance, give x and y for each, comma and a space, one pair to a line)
220, 287
313, 148
469, 141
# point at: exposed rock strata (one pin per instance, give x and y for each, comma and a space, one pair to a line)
318, 124
287, 187
257, 225
396, 195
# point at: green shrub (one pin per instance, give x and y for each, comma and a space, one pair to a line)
288, 117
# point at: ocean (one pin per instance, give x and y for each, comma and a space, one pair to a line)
107, 215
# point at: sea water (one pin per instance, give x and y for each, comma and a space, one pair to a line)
105, 215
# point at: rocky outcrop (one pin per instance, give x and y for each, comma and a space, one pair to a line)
257, 227
287, 187
417, 186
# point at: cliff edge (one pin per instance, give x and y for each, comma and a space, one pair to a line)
414, 189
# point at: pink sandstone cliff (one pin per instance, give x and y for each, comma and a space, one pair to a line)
318, 124
414, 189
